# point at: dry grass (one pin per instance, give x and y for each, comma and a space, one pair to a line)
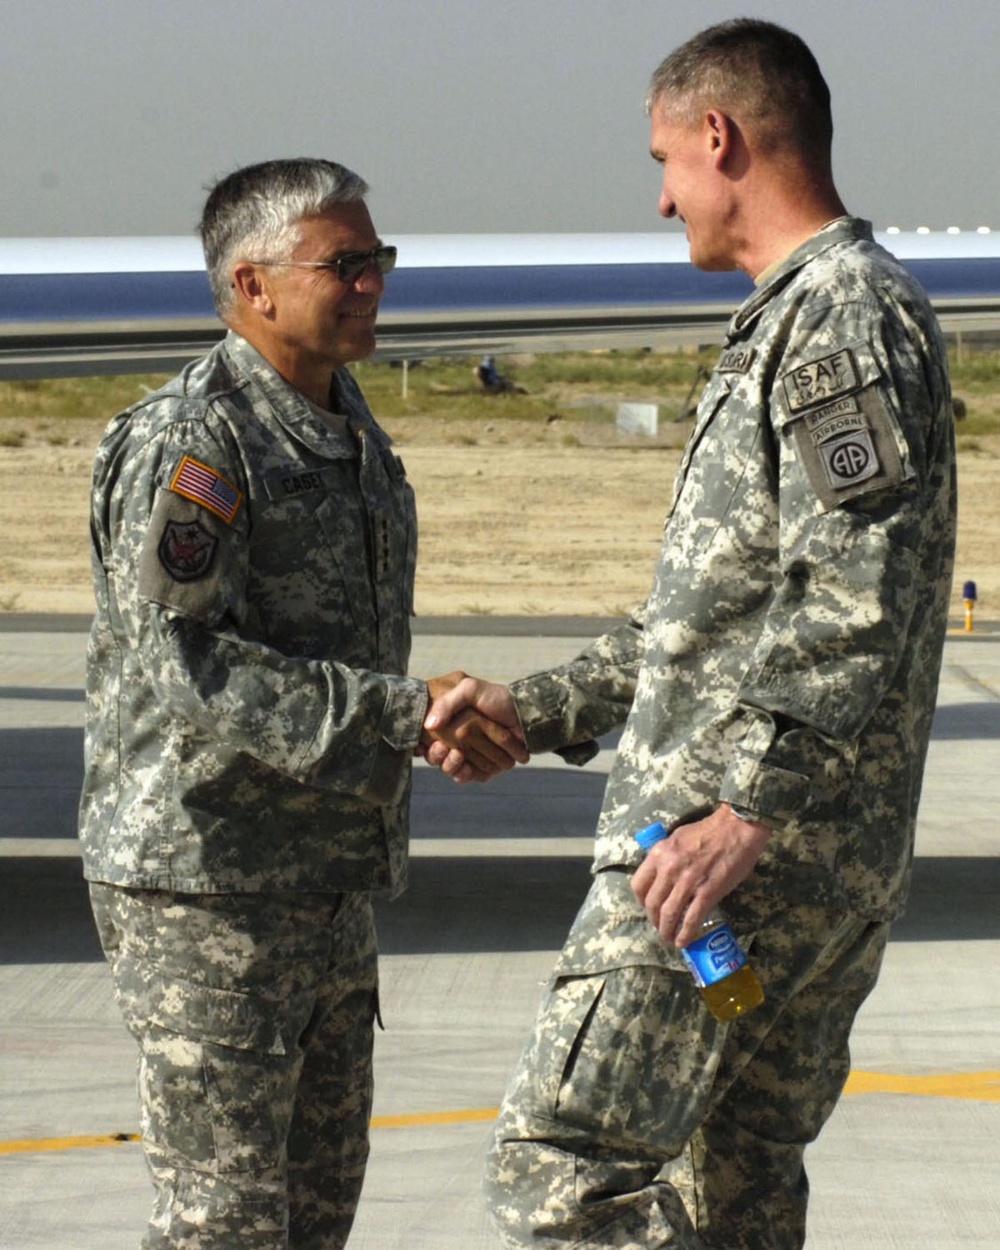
529, 504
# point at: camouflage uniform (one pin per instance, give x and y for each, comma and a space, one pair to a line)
249, 740
786, 662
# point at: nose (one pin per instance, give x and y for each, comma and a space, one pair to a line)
666, 208
370, 279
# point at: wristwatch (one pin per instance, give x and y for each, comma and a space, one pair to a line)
741, 813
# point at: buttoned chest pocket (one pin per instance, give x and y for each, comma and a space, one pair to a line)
726, 473
311, 583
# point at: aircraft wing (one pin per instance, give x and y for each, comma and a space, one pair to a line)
129, 305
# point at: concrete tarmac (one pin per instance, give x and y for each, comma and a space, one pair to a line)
909, 1159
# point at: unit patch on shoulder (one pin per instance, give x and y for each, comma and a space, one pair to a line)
196, 481
848, 447
821, 380
850, 460
186, 550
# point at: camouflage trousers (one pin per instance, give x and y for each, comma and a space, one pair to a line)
635, 1120
254, 1018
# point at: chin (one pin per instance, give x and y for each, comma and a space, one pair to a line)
710, 263
359, 345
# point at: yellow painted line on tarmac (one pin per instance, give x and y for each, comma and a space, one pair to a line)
970, 1086
435, 1117
33, 1145
974, 1086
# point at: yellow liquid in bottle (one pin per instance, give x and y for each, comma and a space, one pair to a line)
734, 995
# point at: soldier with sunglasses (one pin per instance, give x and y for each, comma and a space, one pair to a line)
250, 727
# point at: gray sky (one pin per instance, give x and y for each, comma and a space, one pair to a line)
464, 115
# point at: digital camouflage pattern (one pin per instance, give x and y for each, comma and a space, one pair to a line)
253, 1015
635, 1120
249, 740
249, 726
786, 662
789, 657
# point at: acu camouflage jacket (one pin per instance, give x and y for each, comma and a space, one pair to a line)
787, 659
249, 726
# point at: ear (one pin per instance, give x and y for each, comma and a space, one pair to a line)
721, 135
251, 288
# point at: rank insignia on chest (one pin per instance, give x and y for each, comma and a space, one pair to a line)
186, 550
202, 485
383, 547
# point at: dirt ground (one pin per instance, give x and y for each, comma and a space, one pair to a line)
515, 519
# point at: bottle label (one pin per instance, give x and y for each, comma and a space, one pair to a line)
714, 956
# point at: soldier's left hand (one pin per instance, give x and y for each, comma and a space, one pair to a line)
686, 875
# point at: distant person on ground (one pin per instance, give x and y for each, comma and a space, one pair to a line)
776, 694
488, 375
250, 727
492, 380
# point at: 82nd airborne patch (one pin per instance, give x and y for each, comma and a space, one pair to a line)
840, 433
844, 430
850, 460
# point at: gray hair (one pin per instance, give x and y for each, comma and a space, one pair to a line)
761, 74
254, 213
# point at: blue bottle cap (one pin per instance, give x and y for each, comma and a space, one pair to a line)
649, 836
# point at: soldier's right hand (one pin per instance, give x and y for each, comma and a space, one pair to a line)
472, 730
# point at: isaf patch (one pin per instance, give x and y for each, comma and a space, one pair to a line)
821, 380
186, 550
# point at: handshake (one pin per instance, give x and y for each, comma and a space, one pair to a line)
471, 729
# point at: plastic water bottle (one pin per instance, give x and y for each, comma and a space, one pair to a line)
715, 959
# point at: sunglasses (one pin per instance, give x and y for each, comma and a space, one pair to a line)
349, 267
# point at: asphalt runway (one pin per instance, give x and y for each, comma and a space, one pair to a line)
909, 1159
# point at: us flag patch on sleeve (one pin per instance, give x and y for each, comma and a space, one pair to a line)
196, 481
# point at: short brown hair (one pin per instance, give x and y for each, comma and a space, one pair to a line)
761, 74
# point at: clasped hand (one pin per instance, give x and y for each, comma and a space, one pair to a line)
471, 730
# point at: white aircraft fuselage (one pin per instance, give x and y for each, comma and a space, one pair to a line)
125, 305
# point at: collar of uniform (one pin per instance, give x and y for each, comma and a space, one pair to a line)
359, 416
841, 230
333, 417
294, 411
